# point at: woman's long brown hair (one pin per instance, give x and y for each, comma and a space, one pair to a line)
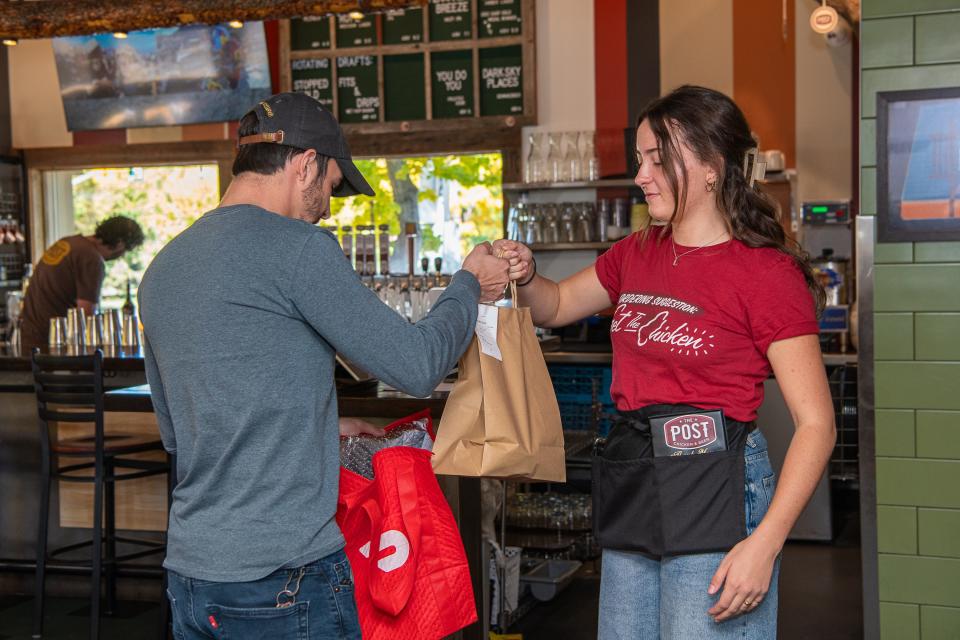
712, 126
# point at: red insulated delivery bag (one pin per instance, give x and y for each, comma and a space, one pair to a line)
410, 569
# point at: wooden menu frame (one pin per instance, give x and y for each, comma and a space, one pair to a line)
526, 40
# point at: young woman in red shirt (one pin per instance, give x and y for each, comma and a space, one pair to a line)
706, 307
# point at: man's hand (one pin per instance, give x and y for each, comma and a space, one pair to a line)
518, 255
492, 272
356, 427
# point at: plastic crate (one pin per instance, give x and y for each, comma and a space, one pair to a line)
575, 384
577, 416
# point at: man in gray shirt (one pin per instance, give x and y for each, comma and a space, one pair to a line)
242, 314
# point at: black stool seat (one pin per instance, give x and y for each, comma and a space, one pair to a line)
114, 443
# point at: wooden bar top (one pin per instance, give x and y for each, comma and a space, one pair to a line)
367, 400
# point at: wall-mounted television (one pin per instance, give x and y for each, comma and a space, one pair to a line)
158, 77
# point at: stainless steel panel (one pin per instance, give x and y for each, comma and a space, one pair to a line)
865, 234
776, 423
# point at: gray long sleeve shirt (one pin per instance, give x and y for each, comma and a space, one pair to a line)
242, 314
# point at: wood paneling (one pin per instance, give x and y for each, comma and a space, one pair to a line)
141, 504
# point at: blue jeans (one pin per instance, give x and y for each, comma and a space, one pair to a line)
322, 608
643, 598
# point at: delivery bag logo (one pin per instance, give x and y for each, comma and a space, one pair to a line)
690, 431
401, 550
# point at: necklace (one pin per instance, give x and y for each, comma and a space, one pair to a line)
673, 244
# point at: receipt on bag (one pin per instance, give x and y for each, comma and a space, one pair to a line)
487, 331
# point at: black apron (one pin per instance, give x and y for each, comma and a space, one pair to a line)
668, 505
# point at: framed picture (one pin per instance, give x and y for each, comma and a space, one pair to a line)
918, 165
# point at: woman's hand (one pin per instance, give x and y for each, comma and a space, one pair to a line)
744, 574
356, 427
519, 256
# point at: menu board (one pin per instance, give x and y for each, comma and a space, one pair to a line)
357, 89
499, 18
403, 26
313, 77
451, 77
356, 33
451, 20
501, 81
310, 33
404, 92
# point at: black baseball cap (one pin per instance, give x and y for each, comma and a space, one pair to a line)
297, 120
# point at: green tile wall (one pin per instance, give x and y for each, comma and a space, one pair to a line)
897, 33
893, 336
914, 44
917, 385
897, 528
939, 533
938, 251
936, 336
899, 621
937, 39
881, 8
920, 580
917, 287
895, 432
868, 191
938, 434
939, 623
899, 78
893, 253
868, 142
918, 482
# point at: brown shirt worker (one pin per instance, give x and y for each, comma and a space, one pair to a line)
70, 273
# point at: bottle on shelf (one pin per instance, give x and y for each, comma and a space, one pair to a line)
572, 170
589, 163
555, 167
128, 309
535, 169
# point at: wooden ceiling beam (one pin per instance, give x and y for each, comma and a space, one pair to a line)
53, 18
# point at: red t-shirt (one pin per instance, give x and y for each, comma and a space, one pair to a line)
697, 333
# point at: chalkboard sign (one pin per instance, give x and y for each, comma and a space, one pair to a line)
501, 81
403, 26
433, 66
499, 18
310, 33
356, 33
451, 77
404, 93
313, 77
451, 20
357, 89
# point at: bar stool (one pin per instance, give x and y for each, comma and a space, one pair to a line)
70, 389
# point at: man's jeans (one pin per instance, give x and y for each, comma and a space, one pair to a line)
646, 599
322, 607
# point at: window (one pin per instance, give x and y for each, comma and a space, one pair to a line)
164, 200
455, 201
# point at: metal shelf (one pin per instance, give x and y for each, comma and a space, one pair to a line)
571, 246
617, 183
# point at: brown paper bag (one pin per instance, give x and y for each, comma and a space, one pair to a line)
501, 419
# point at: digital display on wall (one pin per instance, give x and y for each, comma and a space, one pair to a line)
159, 77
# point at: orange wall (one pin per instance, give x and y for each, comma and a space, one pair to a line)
764, 71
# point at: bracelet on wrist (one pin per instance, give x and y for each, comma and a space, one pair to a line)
532, 275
